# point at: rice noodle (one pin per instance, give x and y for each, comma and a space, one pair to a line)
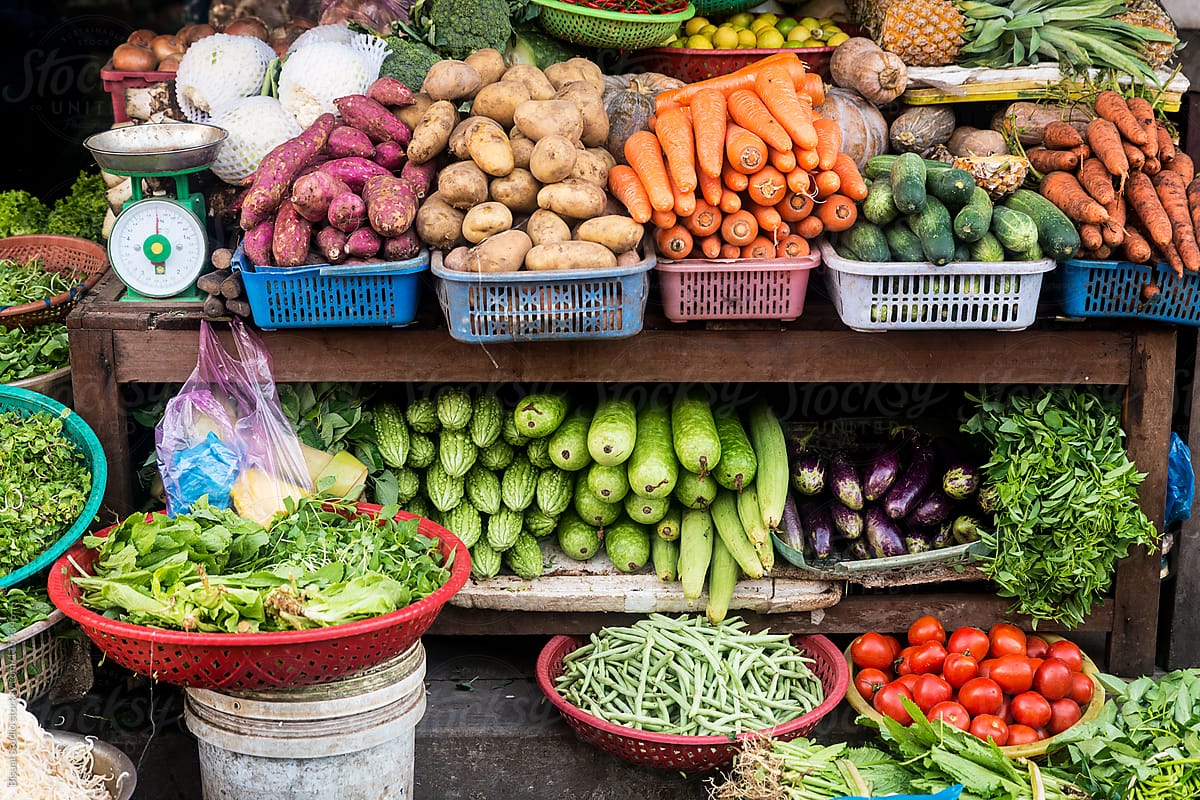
34, 767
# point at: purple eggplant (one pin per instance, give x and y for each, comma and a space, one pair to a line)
943, 536
808, 473
966, 529
917, 541
910, 487
883, 534
988, 498
845, 483
961, 481
858, 550
881, 472
791, 531
818, 528
848, 522
934, 509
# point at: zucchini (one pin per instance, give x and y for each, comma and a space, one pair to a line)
695, 551
973, 219
613, 432
1016, 230
908, 183
881, 166
695, 491
904, 244
770, 447
608, 483
567, 446
694, 433
1057, 235
537, 415
664, 555
653, 468
879, 207
953, 186
987, 249
646, 510
866, 239
733, 535
935, 230
722, 579
738, 464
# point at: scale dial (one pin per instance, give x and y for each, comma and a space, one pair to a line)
158, 247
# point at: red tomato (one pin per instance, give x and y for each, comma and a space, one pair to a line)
969, 641
870, 680
1035, 647
1063, 714
926, 629
887, 701
951, 713
985, 667
988, 726
1053, 679
908, 681
1082, 688
1068, 652
1019, 734
931, 690
904, 661
981, 696
1005, 711
958, 669
872, 650
929, 658
1030, 708
1006, 640
1013, 673
1042, 734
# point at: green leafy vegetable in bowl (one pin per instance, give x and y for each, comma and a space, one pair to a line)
29, 352
29, 282
20, 608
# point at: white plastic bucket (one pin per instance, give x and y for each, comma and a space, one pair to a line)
347, 740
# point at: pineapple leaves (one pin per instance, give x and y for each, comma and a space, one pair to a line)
988, 34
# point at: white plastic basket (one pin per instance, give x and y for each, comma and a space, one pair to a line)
966, 295
34, 658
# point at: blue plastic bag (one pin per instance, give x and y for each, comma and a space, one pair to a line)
949, 793
1181, 482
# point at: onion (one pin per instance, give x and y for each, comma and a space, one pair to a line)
248, 26
165, 45
142, 36
133, 58
170, 63
194, 32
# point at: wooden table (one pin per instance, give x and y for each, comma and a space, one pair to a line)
116, 343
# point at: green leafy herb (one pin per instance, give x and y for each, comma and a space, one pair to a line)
21, 213
30, 281
80, 213
28, 352
20, 608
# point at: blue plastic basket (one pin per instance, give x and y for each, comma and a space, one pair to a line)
555, 305
1114, 289
327, 296
29, 403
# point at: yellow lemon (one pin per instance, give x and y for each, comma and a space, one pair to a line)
746, 38
725, 38
767, 16
798, 34
810, 23
825, 21
836, 39
707, 31
698, 42
786, 24
759, 24
693, 25
770, 38
678, 43
741, 20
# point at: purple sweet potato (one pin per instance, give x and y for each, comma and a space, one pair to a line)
312, 194
419, 177
331, 243
370, 117
402, 247
347, 212
257, 243
390, 92
354, 171
391, 205
291, 237
279, 168
363, 243
347, 141
390, 155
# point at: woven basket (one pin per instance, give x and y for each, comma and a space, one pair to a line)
33, 659
82, 259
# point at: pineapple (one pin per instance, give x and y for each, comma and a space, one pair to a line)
999, 176
1149, 14
925, 33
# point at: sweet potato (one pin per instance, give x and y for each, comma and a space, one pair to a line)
257, 243
388, 91
291, 237
570, 255
363, 243
432, 133
389, 155
463, 185
484, 220
370, 117
347, 212
418, 176
331, 243
403, 247
391, 205
633, 258
353, 171
518, 190
538, 118
618, 233
504, 252
312, 194
573, 198
489, 63
279, 168
553, 158
456, 259
499, 101
489, 148
546, 227
346, 141
532, 78
438, 223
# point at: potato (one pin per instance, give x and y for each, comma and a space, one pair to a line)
591, 105
533, 79
629, 259
451, 80
411, 115
546, 227
538, 118
605, 156
432, 133
490, 150
499, 100
518, 190
573, 198
504, 252
522, 149
438, 223
575, 69
458, 137
618, 233
570, 255
484, 220
463, 184
489, 63
590, 167
553, 158
456, 259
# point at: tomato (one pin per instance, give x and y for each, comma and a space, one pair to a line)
904, 661
1030, 708
1013, 673
1005, 710
957, 669
928, 658
1042, 734
985, 667
931, 690
1068, 652
988, 726
870, 680
1019, 734
1035, 647
981, 696
1063, 714
951, 713
1082, 688
1006, 640
1053, 679
908, 681
872, 650
926, 629
887, 701
969, 641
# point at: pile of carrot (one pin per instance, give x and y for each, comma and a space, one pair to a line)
1125, 184
740, 166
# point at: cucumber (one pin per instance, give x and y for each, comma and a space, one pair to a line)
879, 207
608, 483
668, 526
591, 509
646, 510
1016, 230
867, 241
935, 230
738, 464
770, 447
881, 166
973, 219
694, 433
612, 432
696, 536
664, 555
729, 528
908, 183
722, 579
1057, 235
653, 468
904, 244
953, 186
567, 446
1032, 254
695, 491
537, 415
987, 249
962, 252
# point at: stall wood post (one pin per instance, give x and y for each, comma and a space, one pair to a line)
98, 400
1183, 648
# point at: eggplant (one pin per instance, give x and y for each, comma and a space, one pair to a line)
943, 536
858, 550
847, 521
883, 535
961, 481
818, 528
881, 472
790, 529
966, 529
933, 510
988, 498
917, 541
808, 474
910, 487
844, 482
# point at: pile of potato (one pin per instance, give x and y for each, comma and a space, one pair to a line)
527, 184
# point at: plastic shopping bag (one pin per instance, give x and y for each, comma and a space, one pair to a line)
224, 435
1181, 482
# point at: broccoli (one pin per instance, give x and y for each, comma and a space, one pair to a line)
80, 213
408, 61
457, 28
21, 212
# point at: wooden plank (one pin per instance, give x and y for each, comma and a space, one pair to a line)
98, 400
1183, 645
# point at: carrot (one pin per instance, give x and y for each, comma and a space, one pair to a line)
808, 159
796, 206
1152, 166
1083, 151
1193, 198
652, 121
664, 219
829, 142
745, 150
705, 220
1142, 199
674, 242
679, 146
761, 247
1113, 231
748, 110
1105, 141
767, 186
778, 94
1144, 111
1096, 180
853, 185
743, 78
1136, 248
1172, 192
708, 126
1101, 253
1151, 293
1166, 147
782, 160
645, 155
837, 213
783, 229
730, 251
730, 202
739, 228
710, 246
1044, 160
1182, 163
1134, 154
828, 182
684, 202
711, 188
810, 227
798, 180
767, 217
1112, 106
625, 185
1061, 136
1174, 259
1063, 189
734, 181
812, 87
1090, 236
792, 246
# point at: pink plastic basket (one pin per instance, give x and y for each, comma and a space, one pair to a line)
744, 288
688, 753
116, 82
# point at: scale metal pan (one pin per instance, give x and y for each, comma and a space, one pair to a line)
156, 147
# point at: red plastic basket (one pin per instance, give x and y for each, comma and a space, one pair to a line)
116, 82
688, 753
255, 661
743, 288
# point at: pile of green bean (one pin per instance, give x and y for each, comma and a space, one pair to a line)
689, 677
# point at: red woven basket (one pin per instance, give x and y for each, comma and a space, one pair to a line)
79, 259
688, 753
256, 661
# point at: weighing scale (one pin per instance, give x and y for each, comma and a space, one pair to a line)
158, 246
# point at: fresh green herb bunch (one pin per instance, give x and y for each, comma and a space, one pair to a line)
21, 213
28, 352
81, 212
20, 608
28, 282
1067, 501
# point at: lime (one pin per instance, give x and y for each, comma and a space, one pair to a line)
680, 43
786, 24
769, 38
794, 43
726, 38
746, 38
836, 39
698, 42
693, 25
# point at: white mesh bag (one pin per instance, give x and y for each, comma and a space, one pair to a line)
256, 125
314, 76
339, 34
218, 69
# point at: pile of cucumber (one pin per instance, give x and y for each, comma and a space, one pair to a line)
918, 210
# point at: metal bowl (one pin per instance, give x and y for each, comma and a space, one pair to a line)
156, 147
106, 760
